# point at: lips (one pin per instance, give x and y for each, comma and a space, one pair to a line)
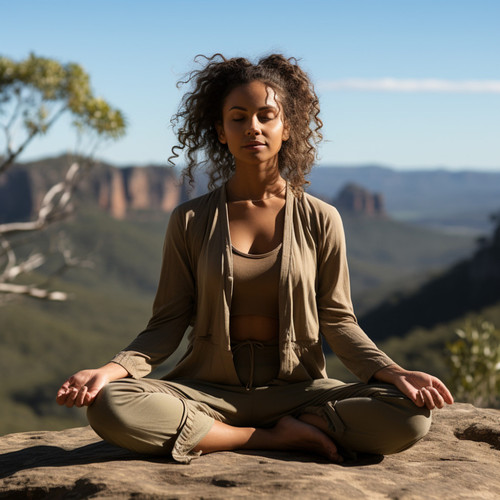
253, 144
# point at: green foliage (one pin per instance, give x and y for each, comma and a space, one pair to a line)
474, 360
36, 91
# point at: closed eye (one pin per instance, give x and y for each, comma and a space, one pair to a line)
267, 117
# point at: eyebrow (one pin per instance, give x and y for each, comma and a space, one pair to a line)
262, 108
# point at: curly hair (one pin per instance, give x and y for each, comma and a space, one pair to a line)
201, 108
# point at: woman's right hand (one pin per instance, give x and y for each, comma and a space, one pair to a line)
82, 388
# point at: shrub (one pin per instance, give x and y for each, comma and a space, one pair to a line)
474, 360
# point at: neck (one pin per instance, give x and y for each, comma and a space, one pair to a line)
252, 183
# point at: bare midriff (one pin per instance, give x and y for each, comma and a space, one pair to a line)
260, 328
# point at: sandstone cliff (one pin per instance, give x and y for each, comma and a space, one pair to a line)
116, 190
355, 199
458, 459
137, 188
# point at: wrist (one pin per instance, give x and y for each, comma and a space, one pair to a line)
114, 371
389, 373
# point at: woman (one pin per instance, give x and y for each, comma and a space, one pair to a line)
258, 268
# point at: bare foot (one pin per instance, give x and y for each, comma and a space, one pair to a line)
297, 435
316, 420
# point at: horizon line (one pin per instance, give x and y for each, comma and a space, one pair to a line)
409, 85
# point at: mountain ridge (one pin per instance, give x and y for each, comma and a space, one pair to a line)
123, 191
440, 198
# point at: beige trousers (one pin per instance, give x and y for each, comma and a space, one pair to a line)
162, 417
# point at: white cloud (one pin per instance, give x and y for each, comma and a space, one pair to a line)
413, 85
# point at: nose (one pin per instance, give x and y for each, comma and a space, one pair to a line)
253, 127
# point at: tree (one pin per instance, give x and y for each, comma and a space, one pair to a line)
474, 360
34, 94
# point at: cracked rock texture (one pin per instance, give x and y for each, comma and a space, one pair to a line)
459, 459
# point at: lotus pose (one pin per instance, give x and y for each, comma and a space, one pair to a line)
258, 268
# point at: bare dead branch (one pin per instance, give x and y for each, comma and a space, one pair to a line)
32, 291
30, 264
56, 205
10, 256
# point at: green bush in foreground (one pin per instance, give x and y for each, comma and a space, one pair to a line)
474, 360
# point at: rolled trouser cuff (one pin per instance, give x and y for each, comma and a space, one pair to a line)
195, 428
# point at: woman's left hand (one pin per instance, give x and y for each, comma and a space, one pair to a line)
423, 389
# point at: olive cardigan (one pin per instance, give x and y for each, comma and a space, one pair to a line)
196, 283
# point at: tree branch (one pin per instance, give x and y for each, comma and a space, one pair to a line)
11, 256
13, 118
12, 155
32, 291
56, 205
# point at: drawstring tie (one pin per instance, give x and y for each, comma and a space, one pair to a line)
252, 344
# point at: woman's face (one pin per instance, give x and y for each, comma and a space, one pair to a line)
253, 125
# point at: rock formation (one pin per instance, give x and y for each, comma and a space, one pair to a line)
459, 459
118, 191
356, 199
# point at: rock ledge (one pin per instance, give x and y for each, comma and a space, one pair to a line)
459, 459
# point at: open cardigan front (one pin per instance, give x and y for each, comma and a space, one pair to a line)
196, 284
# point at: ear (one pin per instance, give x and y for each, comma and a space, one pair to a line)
220, 133
286, 132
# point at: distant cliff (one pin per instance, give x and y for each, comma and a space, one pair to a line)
358, 200
458, 200
116, 190
121, 191
135, 188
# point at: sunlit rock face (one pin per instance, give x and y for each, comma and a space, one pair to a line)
459, 458
135, 189
118, 191
358, 200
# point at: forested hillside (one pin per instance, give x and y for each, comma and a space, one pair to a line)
41, 343
471, 285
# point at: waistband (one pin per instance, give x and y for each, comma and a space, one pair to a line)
256, 362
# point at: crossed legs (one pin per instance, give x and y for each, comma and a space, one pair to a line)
189, 418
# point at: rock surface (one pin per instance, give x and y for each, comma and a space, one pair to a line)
459, 459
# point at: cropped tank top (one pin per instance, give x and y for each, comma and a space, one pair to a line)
256, 283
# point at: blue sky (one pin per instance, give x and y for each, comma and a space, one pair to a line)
407, 84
